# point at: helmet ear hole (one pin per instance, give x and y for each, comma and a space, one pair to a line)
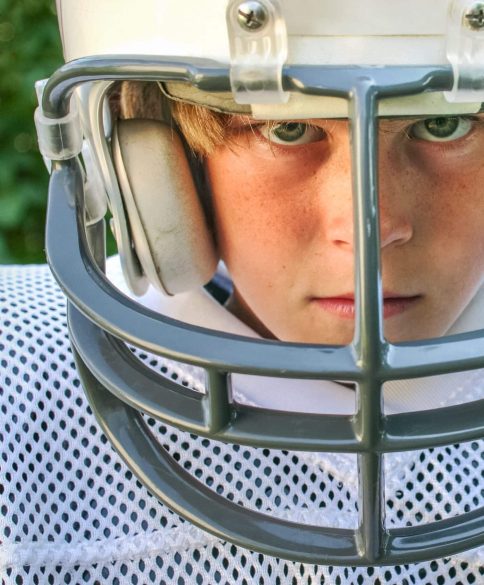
168, 228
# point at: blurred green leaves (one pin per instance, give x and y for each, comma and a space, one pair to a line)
29, 50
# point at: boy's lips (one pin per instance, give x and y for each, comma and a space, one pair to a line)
344, 305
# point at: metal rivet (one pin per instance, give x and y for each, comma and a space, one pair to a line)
252, 15
474, 17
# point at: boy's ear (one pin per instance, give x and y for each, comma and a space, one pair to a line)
168, 228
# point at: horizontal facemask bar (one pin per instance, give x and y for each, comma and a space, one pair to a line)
401, 90
136, 384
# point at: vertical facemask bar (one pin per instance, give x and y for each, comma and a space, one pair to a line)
216, 404
368, 338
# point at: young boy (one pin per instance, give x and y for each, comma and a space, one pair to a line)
278, 195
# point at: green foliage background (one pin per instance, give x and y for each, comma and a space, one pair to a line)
29, 50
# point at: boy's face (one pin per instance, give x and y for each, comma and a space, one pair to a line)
283, 212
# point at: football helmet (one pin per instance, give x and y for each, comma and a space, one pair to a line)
271, 60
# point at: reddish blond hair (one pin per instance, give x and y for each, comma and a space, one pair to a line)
202, 128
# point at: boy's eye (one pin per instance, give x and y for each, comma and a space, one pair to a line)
291, 133
442, 129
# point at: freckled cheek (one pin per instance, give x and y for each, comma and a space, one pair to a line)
254, 208
441, 187
457, 204
256, 224
449, 221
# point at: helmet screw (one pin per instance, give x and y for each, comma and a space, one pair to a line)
474, 17
252, 15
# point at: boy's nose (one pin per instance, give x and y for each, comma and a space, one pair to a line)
396, 227
395, 197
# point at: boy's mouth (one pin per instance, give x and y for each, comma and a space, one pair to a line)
344, 305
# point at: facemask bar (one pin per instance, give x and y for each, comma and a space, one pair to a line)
119, 386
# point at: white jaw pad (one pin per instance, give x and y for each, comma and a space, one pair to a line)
166, 219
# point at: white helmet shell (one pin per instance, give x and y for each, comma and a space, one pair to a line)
323, 31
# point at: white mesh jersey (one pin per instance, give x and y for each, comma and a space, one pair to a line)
72, 512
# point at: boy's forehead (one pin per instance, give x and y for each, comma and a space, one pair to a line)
301, 106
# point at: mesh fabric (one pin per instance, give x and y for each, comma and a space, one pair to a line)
72, 512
